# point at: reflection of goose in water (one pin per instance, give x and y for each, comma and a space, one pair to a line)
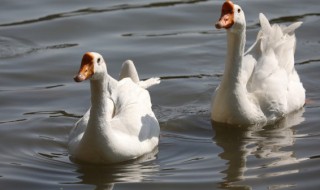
257, 147
106, 177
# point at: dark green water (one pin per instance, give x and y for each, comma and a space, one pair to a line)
41, 45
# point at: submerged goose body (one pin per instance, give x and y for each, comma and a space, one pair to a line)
120, 125
261, 85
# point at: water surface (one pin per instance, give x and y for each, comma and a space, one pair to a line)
41, 45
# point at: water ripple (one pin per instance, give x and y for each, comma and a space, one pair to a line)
12, 121
87, 11
308, 61
11, 47
58, 113
179, 33
189, 76
294, 18
37, 88
284, 19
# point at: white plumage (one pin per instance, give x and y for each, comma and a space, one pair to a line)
120, 125
261, 85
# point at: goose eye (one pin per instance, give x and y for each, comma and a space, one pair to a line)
98, 60
239, 10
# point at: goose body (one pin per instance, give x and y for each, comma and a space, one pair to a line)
259, 86
120, 125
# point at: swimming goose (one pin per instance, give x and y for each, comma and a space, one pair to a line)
120, 125
259, 86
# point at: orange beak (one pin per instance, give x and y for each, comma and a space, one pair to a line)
227, 16
86, 69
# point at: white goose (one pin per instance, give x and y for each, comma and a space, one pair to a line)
120, 125
261, 85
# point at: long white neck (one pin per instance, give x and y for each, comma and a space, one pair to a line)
99, 94
232, 103
235, 51
100, 101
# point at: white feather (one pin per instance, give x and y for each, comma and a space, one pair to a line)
264, 85
119, 126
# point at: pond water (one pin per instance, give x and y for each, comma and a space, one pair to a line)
41, 45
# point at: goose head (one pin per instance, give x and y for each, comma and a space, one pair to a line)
232, 17
92, 67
